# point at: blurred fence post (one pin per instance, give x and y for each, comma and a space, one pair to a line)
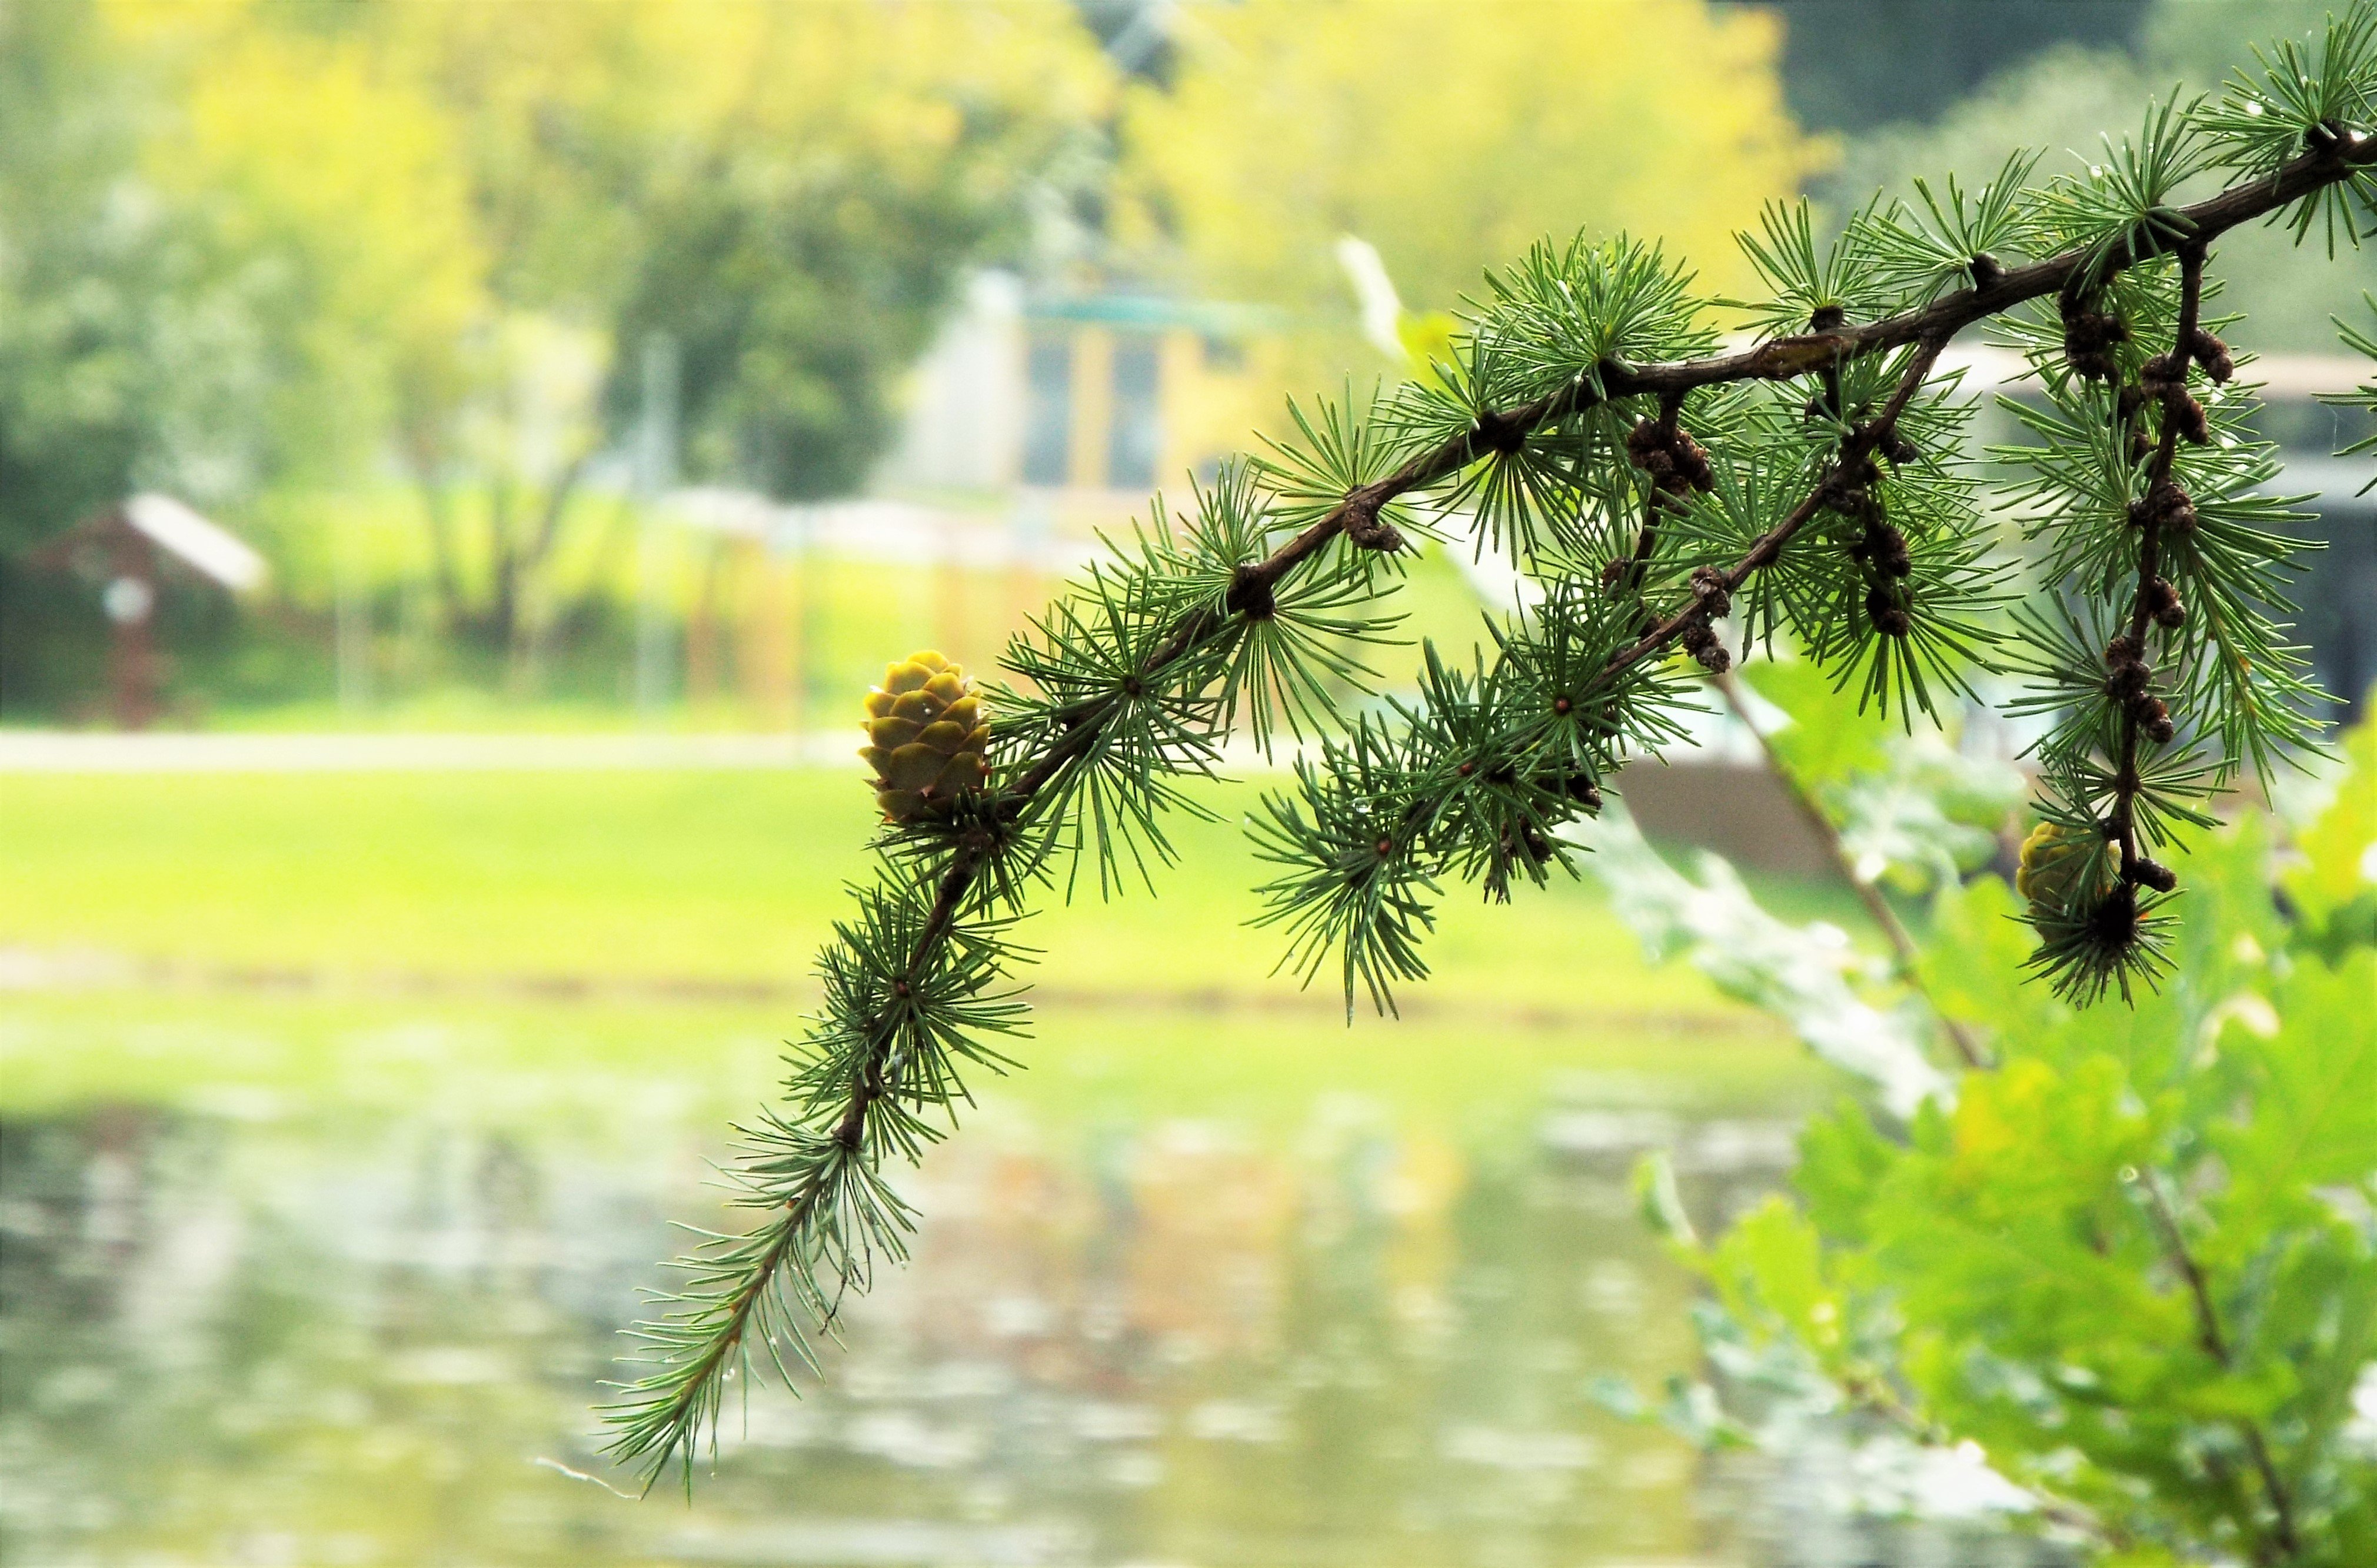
765, 644
804, 611
953, 634
1029, 527
656, 444
351, 609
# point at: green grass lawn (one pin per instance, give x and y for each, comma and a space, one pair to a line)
706, 877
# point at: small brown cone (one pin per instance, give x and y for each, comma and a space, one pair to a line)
927, 738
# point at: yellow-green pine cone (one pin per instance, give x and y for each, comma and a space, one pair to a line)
2053, 858
928, 741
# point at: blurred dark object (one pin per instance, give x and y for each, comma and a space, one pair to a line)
129, 555
1136, 35
2337, 625
1740, 810
1851, 64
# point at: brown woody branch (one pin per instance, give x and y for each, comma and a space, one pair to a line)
1359, 518
2160, 508
1931, 326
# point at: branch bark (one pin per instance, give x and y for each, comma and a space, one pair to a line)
2130, 659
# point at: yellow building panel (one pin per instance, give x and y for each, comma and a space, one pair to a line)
1092, 411
1181, 367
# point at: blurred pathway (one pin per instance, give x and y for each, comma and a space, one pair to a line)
190, 751
25, 968
76, 751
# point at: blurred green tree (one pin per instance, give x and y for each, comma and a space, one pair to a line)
248, 251
787, 193
808, 228
71, 268
76, 260
2062, 100
166, 320
1852, 65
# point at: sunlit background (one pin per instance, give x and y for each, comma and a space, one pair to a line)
460, 466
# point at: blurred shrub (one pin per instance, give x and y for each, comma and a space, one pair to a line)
2130, 1267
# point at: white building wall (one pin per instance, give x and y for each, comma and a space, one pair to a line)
962, 418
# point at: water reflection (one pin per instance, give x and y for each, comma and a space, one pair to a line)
240, 1330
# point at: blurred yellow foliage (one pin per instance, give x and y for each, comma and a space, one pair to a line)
1451, 137
334, 191
404, 182
667, 93
426, 230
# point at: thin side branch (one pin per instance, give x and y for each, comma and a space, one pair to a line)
2130, 655
1902, 942
1876, 1397
2215, 1345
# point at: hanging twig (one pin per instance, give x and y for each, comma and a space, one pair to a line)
2215, 1345
1902, 942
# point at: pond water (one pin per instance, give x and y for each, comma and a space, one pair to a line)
287, 1280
